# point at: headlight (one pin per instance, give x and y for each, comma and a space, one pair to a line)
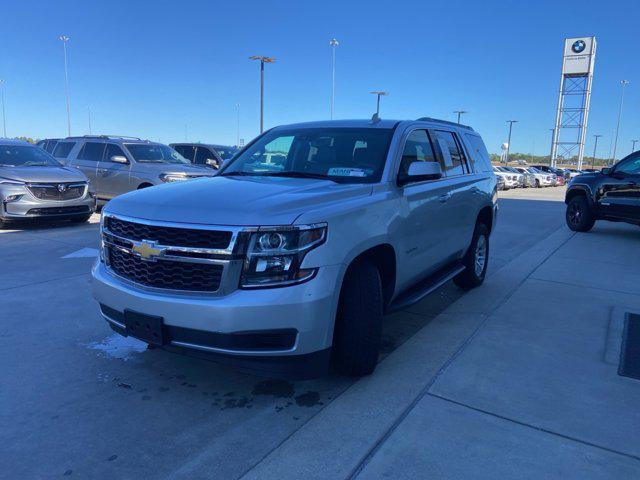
274, 255
172, 177
8, 181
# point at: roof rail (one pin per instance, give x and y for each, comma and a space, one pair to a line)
445, 122
123, 137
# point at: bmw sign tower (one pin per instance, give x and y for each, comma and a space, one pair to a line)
573, 99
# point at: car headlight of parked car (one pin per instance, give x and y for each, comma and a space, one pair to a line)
274, 255
172, 177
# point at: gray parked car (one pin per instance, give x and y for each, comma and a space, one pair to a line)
290, 255
34, 185
205, 154
117, 165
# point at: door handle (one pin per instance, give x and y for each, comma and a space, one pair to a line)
444, 198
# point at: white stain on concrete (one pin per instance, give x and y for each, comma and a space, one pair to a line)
117, 346
83, 253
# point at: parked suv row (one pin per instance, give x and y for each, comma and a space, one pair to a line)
289, 256
115, 165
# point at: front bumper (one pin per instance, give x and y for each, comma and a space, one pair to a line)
221, 327
30, 207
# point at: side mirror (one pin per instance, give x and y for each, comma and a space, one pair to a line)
212, 162
119, 159
421, 171
606, 171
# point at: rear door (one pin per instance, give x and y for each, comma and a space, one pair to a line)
620, 194
463, 193
87, 161
113, 178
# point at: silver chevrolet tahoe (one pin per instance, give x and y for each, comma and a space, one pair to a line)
116, 165
286, 261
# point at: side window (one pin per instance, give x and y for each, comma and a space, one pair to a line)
417, 148
113, 150
187, 151
630, 167
50, 145
204, 156
452, 156
63, 149
479, 155
91, 151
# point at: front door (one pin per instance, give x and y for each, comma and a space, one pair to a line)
113, 178
620, 194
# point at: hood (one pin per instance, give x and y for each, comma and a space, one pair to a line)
43, 174
171, 168
236, 201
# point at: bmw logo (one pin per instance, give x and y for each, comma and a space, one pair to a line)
578, 46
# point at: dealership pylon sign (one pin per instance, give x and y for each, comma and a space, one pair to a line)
573, 99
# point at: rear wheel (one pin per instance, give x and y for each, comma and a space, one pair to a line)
476, 260
538, 183
358, 329
579, 216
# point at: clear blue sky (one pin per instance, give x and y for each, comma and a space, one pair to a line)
148, 68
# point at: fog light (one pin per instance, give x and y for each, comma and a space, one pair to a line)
12, 198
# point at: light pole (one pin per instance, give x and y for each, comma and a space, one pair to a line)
510, 122
89, 114
333, 43
379, 94
595, 146
553, 134
633, 145
263, 60
237, 124
4, 119
65, 39
460, 113
623, 83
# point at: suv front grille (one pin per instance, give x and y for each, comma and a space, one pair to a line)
58, 192
169, 236
186, 276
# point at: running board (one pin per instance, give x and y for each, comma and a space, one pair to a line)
424, 287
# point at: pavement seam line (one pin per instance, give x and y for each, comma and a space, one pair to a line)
602, 289
44, 281
528, 425
355, 472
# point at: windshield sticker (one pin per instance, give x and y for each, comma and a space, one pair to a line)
347, 172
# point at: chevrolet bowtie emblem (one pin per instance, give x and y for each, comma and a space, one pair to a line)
147, 249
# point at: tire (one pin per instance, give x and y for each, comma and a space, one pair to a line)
538, 184
579, 216
3, 224
476, 260
358, 330
82, 219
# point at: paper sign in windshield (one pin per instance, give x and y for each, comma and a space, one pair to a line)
347, 172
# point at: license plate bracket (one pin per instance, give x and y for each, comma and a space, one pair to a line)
148, 328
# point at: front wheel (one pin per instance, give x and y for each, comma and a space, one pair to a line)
358, 328
476, 260
579, 216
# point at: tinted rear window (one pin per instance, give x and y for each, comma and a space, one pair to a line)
479, 155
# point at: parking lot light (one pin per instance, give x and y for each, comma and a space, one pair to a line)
623, 83
510, 122
263, 60
379, 94
333, 43
4, 118
633, 145
460, 113
65, 39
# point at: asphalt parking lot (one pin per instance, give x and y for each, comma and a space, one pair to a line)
79, 401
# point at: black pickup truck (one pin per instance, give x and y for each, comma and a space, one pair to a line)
611, 194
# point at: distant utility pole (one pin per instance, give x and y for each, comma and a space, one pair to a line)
4, 119
623, 83
263, 60
65, 39
379, 93
460, 113
333, 43
89, 114
237, 124
595, 146
510, 122
633, 145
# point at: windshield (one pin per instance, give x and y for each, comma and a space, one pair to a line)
25, 156
154, 153
344, 155
225, 153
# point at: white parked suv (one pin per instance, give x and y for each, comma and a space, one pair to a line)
289, 257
